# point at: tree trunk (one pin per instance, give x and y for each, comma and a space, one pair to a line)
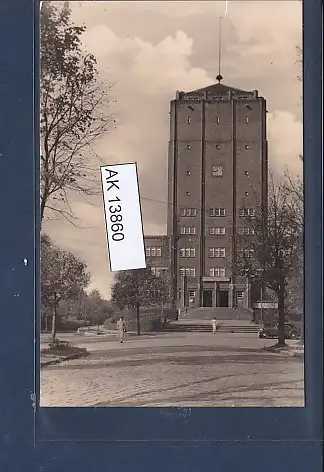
54, 324
138, 319
281, 314
42, 208
46, 323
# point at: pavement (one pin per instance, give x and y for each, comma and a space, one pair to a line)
174, 369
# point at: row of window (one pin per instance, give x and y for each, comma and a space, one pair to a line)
187, 271
246, 212
214, 231
154, 251
191, 251
217, 252
213, 252
192, 294
218, 147
188, 212
188, 252
217, 120
213, 272
247, 253
215, 212
188, 230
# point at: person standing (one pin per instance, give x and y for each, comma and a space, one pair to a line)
214, 325
121, 327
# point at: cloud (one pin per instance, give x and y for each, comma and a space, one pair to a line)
285, 141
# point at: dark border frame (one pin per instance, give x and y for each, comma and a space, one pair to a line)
281, 438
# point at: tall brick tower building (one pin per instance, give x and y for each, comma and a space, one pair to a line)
217, 176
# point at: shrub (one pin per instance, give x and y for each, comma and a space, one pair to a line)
59, 345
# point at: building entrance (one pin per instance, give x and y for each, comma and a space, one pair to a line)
207, 298
223, 298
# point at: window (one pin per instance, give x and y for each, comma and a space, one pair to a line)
247, 253
158, 271
217, 120
189, 120
217, 171
247, 146
240, 295
154, 251
247, 120
188, 212
188, 271
189, 147
187, 230
217, 212
216, 231
246, 212
218, 147
188, 252
217, 272
192, 295
216, 252
243, 230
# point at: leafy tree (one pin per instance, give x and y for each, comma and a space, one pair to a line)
96, 309
63, 277
136, 288
74, 111
272, 253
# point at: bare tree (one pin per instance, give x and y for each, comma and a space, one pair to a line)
75, 112
272, 250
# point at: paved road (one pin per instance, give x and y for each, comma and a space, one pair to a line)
180, 369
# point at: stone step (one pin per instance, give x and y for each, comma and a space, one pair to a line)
224, 313
206, 329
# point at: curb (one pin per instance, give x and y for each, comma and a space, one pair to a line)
284, 352
65, 358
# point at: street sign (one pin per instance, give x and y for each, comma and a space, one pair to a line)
123, 216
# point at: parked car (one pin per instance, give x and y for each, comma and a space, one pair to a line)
271, 331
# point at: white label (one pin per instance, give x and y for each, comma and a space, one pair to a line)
123, 217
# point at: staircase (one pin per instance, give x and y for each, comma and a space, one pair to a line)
199, 320
221, 314
179, 327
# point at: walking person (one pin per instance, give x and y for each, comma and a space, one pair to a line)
214, 325
121, 327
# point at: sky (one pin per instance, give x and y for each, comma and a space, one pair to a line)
149, 50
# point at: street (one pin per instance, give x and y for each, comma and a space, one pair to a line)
174, 369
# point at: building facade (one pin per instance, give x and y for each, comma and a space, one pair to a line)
217, 177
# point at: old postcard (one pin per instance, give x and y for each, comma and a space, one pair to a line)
172, 251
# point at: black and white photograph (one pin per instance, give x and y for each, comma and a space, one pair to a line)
171, 204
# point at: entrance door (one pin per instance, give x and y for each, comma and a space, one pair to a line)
223, 298
208, 298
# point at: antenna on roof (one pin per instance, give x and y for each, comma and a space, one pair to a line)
219, 77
